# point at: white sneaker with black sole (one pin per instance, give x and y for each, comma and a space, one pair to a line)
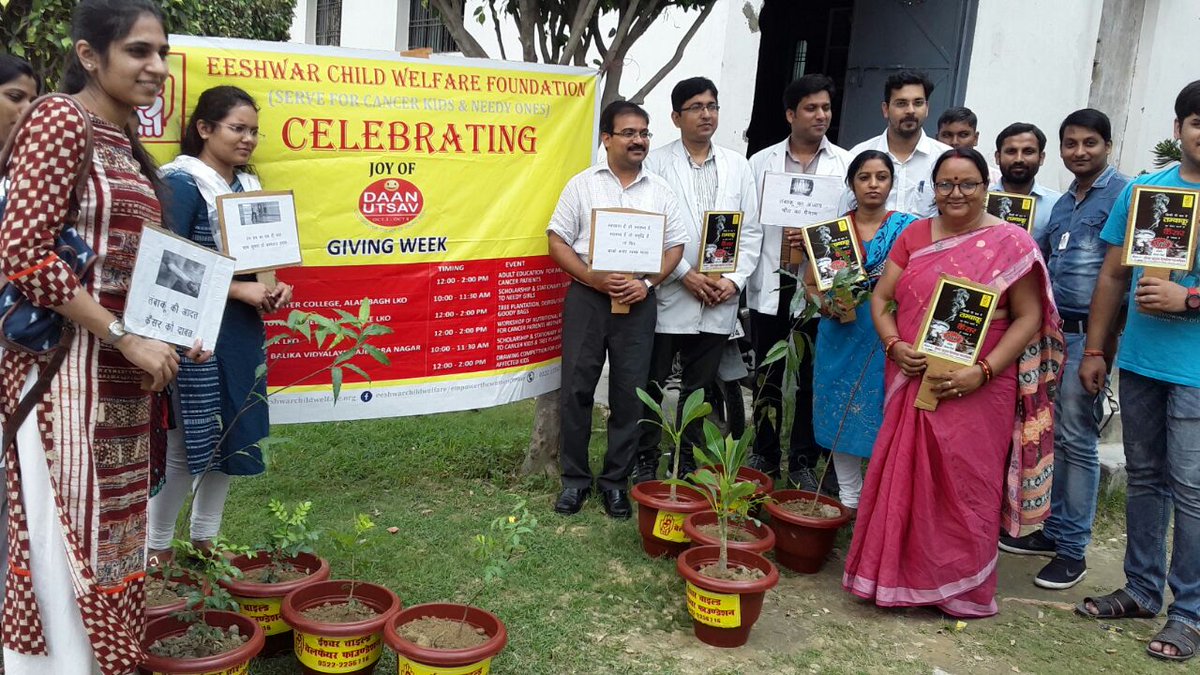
1061, 573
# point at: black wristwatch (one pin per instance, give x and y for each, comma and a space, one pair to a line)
1192, 303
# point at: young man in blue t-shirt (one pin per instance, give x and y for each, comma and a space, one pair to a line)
1160, 413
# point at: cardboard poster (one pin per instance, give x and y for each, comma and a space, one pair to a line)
259, 230
722, 235
1013, 208
833, 247
958, 318
1162, 228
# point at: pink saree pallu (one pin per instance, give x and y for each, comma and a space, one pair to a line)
937, 489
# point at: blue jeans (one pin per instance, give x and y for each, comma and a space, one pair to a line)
1076, 462
1162, 453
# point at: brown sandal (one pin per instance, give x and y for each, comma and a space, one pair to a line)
1115, 605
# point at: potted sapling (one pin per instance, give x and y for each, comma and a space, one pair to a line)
284, 563
462, 638
338, 624
742, 530
725, 585
662, 505
207, 634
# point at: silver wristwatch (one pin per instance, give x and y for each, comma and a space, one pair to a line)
649, 284
116, 331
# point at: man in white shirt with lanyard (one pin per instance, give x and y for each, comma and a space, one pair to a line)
591, 330
696, 313
905, 107
808, 109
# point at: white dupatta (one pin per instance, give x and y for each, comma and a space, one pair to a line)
211, 185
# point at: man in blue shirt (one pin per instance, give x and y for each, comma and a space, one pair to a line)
1071, 245
1160, 411
1020, 153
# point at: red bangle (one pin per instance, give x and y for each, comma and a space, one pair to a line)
888, 343
1094, 352
986, 368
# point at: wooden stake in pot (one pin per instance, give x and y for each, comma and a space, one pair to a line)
626, 241
953, 331
1160, 235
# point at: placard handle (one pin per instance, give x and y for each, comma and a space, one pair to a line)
934, 365
619, 307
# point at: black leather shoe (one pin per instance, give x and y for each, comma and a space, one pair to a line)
570, 500
616, 503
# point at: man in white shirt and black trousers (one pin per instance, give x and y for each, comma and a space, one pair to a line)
591, 330
696, 312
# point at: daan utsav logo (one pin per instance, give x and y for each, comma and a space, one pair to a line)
391, 202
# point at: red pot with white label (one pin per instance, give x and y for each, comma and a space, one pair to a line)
262, 601
660, 519
724, 611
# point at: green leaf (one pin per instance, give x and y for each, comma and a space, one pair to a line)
260, 371
377, 355
336, 374
361, 373
694, 408
364, 311
650, 402
777, 351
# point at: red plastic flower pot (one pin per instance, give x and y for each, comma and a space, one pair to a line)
236, 662
723, 612
660, 520
261, 601
764, 538
475, 660
352, 647
802, 542
159, 611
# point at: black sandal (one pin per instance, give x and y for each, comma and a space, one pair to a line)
1179, 635
1115, 605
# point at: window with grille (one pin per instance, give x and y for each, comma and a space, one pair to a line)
425, 28
329, 22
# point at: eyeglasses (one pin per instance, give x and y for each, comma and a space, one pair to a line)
697, 108
630, 134
242, 130
946, 188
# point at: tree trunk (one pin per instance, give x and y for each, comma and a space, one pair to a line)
541, 457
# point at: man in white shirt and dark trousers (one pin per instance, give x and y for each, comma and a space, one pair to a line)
808, 110
696, 313
591, 331
905, 107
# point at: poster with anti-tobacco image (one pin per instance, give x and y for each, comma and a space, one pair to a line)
259, 230
1012, 208
832, 247
722, 235
1161, 230
957, 321
178, 291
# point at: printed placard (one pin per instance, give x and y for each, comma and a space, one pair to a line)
723, 610
338, 655
798, 199
668, 526
722, 235
258, 230
958, 318
266, 612
627, 240
833, 247
408, 667
1161, 232
1013, 208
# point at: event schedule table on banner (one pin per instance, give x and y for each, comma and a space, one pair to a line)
423, 185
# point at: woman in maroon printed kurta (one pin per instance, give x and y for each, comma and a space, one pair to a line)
78, 472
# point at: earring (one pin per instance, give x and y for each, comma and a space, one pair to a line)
87, 66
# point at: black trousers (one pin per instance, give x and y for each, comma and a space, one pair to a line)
700, 358
765, 331
590, 332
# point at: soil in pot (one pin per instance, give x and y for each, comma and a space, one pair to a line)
267, 575
735, 533
160, 592
732, 573
200, 641
811, 509
340, 612
432, 632
259, 597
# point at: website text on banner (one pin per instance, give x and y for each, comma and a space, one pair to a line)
422, 184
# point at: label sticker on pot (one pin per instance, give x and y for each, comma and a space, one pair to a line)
266, 612
668, 526
235, 670
413, 668
338, 655
714, 609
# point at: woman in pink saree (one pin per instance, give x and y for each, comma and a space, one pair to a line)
942, 484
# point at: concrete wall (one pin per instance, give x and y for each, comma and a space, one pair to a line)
1036, 70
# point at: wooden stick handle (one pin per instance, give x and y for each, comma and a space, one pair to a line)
926, 398
617, 306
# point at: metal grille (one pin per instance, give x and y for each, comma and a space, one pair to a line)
425, 29
329, 22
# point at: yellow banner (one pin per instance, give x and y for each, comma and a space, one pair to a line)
425, 185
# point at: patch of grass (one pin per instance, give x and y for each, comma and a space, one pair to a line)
584, 598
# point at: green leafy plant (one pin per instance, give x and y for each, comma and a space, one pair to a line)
1166, 151
351, 542
291, 537
717, 481
497, 547
694, 408
207, 568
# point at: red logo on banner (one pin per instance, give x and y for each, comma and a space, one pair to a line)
391, 202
